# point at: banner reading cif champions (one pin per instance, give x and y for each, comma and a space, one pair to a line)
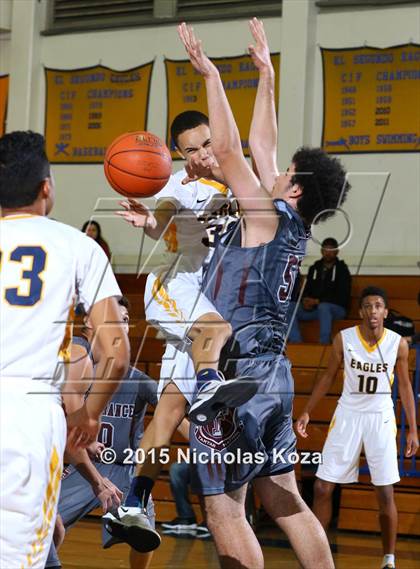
87, 108
187, 90
371, 99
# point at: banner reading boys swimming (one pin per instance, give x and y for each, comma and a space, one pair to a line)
187, 90
371, 99
4, 91
87, 108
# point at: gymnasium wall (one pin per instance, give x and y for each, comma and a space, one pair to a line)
394, 243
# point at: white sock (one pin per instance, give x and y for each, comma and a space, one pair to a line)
388, 558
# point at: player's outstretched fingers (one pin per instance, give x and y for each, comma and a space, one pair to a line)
260, 52
257, 30
183, 34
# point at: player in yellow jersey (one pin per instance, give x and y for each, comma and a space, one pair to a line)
364, 416
44, 265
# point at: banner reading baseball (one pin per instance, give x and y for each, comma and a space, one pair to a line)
86, 109
187, 90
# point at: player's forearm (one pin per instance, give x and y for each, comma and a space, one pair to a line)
163, 217
255, 202
407, 400
156, 232
263, 132
225, 137
103, 389
111, 368
80, 459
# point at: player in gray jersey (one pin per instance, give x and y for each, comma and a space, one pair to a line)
122, 427
250, 280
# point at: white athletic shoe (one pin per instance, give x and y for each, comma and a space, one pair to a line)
221, 394
132, 526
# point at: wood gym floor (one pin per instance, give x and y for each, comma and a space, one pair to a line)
82, 550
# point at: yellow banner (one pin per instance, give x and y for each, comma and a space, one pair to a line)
87, 108
187, 91
371, 99
4, 90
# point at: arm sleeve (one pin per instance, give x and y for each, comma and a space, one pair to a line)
94, 277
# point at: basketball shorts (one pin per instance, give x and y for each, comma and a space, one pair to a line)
173, 307
32, 441
253, 440
77, 499
174, 304
350, 432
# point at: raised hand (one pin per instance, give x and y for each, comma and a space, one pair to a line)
196, 169
260, 52
194, 49
137, 214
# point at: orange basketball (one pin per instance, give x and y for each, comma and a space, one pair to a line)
138, 164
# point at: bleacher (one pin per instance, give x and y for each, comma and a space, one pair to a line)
358, 510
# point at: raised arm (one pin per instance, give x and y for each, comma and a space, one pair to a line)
322, 386
263, 132
256, 203
407, 399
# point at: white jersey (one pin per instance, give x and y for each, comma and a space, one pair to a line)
368, 371
187, 236
44, 266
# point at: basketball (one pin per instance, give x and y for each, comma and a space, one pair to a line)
138, 164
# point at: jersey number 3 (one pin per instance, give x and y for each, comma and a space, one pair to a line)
32, 275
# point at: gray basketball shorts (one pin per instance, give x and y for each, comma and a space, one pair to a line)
77, 499
253, 440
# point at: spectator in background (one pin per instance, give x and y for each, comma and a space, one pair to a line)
326, 295
93, 230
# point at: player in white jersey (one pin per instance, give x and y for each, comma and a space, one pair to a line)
195, 332
364, 417
186, 217
44, 264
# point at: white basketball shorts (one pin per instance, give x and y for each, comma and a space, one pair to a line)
173, 305
350, 432
32, 442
